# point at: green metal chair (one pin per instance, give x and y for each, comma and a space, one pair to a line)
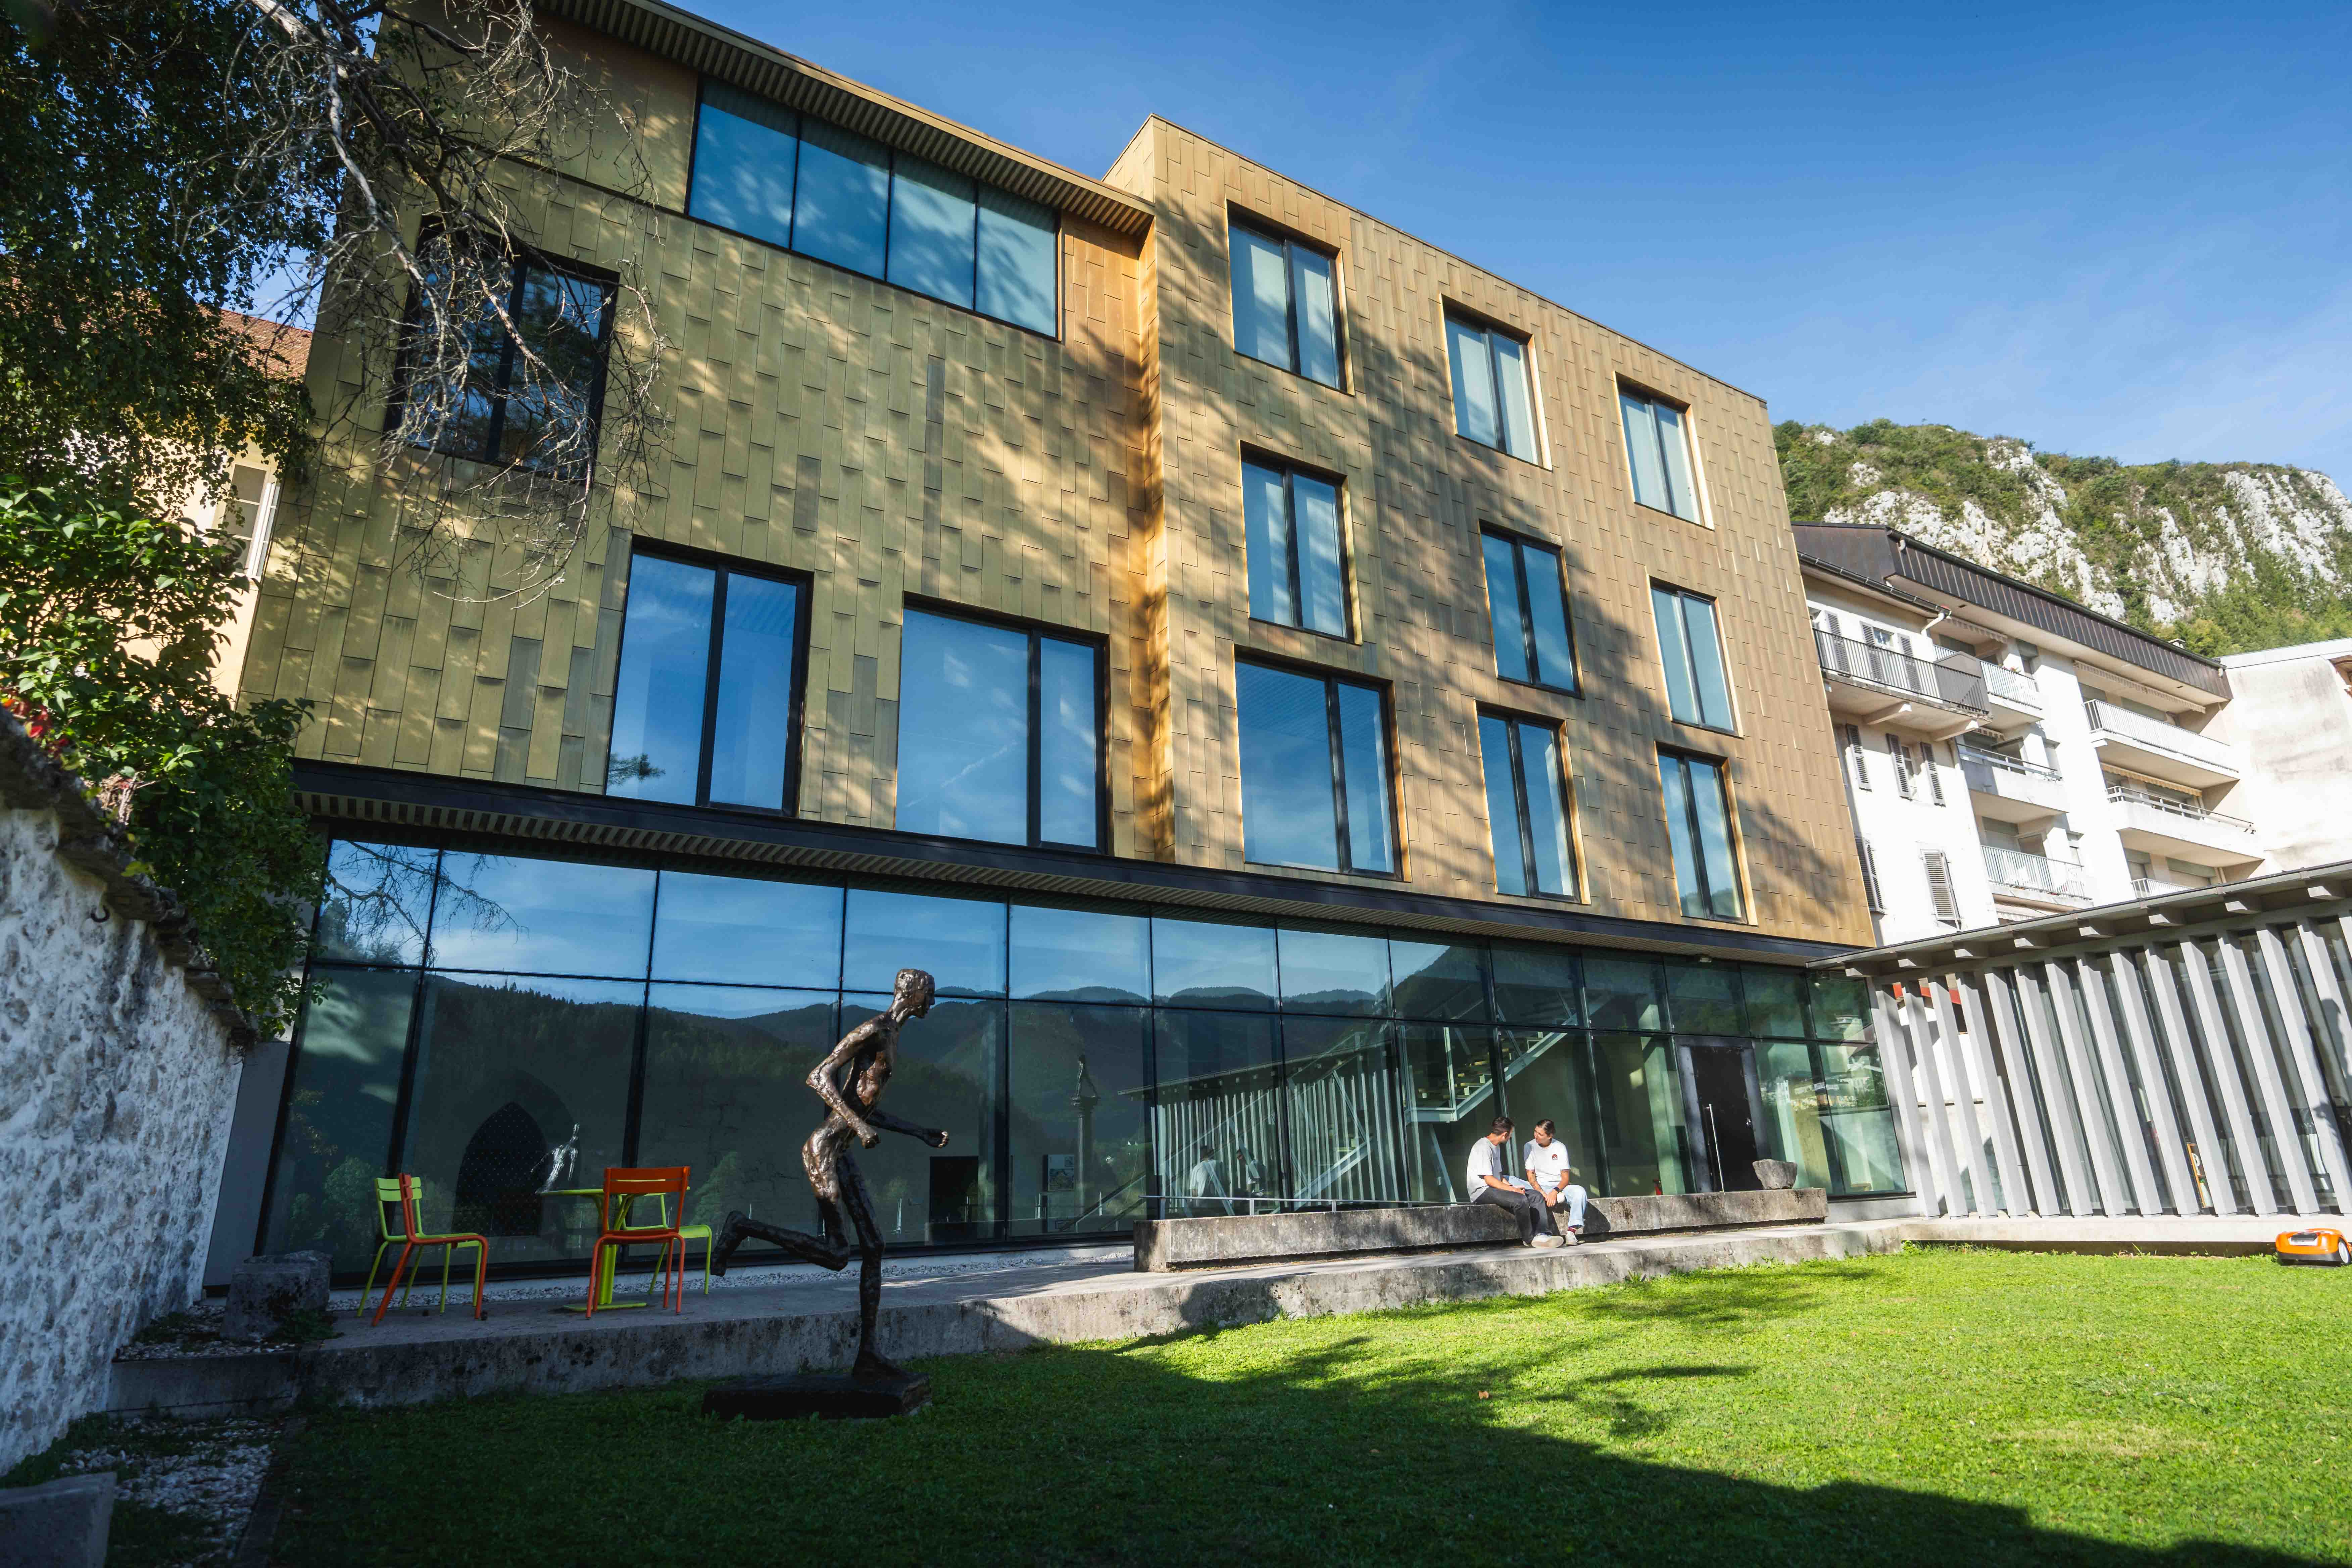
686, 1233
390, 1199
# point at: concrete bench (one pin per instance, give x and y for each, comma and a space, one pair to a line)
1164, 1246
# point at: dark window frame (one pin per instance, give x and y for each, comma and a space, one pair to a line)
1333, 680
722, 566
1290, 468
1511, 720
1274, 234
1520, 544
1722, 768
520, 258
1038, 634
1723, 665
1450, 312
889, 205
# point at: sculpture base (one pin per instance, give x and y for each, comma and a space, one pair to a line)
829, 1395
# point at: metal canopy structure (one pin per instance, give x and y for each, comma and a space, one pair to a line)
2179, 1055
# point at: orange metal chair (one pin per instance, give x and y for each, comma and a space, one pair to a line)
623, 1186
416, 1239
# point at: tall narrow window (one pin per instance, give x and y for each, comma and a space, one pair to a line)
1493, 396
1939, 868
1935, 774
1657, 449
1314, 772
710, 663
1696, 689
1286, 311
1875, 900
1297, 574
1857, 759
1527, 807
998, 733
1529, 611
244, 518
1902, 755
1698, 825
536, 410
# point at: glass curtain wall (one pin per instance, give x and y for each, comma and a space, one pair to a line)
504, 1028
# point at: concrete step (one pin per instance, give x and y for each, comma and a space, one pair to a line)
812, 1324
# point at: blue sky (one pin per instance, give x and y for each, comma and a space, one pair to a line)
2114, 229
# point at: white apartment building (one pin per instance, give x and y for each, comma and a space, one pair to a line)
2008, 753
2290, 715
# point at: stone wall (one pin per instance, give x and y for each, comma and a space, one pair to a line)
118, 1071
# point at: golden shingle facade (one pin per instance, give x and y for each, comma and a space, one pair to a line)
894, 448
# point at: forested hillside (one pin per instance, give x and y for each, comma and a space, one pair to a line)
2225, 556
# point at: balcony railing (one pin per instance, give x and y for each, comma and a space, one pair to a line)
1956, 681
2017, 690
2194, 810
2138, 728
2034, 873
2007, 763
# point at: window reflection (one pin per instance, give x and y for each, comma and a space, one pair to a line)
947, 1078
1216, 1112
1439, 980
748, 931
1204, 963
1537, 985
725, 1096
963, 730
1547, 1075
1080, 1115
1334, 972
518, 1082
1621, 994
338, 1109
1080, 955
1450, 1101
1704, 998
377, 899
1347, 1118
960, 943
541, 917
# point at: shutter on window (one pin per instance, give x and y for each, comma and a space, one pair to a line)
1870, 876
1940, 887
1902, 755
1852, 736
1935, 774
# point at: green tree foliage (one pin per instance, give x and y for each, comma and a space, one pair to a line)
109, 623
2114, 513
131, 215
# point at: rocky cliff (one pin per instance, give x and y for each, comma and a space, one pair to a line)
2225, 556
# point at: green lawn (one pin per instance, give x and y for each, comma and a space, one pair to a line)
1937, 1406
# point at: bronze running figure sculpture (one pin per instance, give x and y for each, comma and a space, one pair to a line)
849, 1080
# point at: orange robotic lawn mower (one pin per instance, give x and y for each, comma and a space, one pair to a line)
2326, 1247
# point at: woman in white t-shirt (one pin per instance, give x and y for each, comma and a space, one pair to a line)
1545, 1161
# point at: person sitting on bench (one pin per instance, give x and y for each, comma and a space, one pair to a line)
1548, 1172
1487, 1184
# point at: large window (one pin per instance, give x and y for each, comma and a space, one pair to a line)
1494, 395
1093, 1066
1527, 805
1529, 609
1697, 691
1657, 448
775, 175
530, 396
999, 733
1285, 310
1297, 573
1314, 772
1698, 822
706, 711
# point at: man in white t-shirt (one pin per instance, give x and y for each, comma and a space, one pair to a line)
1548, 1172
1487, 1184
